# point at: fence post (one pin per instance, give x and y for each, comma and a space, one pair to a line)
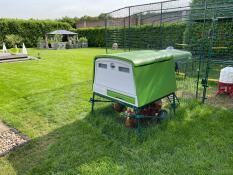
124, 37
161, 21
105, 23
129, 35
205, 79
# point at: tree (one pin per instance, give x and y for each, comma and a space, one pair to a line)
12, 40
69, 20
102, 16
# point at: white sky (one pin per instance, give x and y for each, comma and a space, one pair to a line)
51, 9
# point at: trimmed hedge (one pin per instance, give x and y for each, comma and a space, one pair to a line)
144, 37
136, 37
29, 30
196, 36
95, 36
199, 35
156, 37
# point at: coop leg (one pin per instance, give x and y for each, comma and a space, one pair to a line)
92, 103
174, 103
137, 117
138, 126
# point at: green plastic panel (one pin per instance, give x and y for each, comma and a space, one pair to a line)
121, 96
154, 81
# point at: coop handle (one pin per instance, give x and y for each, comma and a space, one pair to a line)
112, 65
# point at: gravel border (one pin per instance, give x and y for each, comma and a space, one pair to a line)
11, 140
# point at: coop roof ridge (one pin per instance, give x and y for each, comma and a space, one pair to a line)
145, 57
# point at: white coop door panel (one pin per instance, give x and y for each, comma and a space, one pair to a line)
114, 75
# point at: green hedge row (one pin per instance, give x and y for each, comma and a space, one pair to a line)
155, 37
198, 37
136, 37
29, 30
95, 36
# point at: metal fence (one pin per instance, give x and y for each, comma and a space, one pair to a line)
203, 28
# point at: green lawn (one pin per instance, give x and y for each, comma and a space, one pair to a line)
47, 100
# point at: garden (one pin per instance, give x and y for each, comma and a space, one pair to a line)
48, 101
49, 89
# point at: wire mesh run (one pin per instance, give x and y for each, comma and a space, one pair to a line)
202, 27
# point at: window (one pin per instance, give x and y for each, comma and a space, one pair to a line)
124, 69
101, 65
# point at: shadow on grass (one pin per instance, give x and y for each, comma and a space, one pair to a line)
199, 136
84, 141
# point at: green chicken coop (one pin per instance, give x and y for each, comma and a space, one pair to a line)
136, 78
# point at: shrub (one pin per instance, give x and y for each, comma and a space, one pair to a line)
14, 50
95, 36
83, 40
12, 40
57, 38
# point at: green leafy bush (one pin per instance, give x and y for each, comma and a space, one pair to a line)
95, 36
83, 40
12, 40
14, 50
58, 38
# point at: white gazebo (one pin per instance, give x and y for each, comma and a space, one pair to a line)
62, 32
65, 33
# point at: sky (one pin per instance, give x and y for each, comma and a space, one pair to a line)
53, 9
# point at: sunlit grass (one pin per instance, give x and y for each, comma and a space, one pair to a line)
47, 100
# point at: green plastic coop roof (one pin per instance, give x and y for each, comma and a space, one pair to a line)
144, 57
153, 71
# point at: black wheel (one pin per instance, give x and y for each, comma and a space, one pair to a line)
163, 114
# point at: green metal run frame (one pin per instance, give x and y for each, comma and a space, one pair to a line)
172, 98
202, 27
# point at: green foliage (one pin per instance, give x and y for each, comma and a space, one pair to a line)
73, 40
29, 30
12, 40
95, 36
57, 38
197, 33
69, 20
40, 40
14, 50
102, 16
83, 39
196, 36
154, 37
136, 37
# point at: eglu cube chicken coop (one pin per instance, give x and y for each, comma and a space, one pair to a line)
136, 79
